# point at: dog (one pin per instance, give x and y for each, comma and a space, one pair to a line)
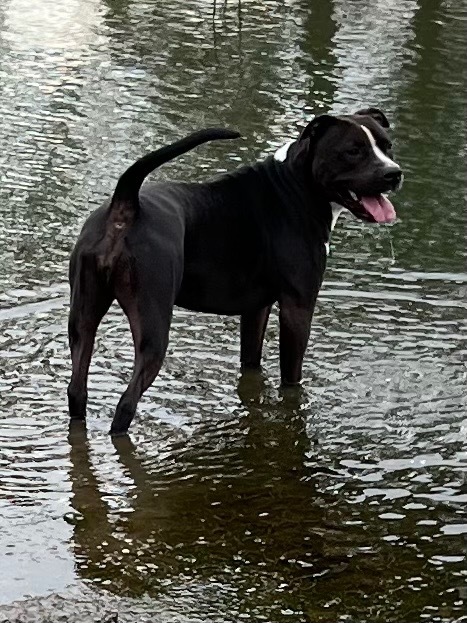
234, 245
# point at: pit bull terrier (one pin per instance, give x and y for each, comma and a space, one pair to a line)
234, 245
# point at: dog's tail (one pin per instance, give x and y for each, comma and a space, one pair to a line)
125, 197
124, 204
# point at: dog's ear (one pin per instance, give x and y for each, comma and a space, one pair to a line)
317, 127
377, 114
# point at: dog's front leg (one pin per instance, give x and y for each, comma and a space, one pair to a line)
295, 321
252, 330
90, 300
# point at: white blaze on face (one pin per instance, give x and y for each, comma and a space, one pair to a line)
378, 153
281, 153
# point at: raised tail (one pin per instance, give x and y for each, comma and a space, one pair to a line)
127, 189
125, 203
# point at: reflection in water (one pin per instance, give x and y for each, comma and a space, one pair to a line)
231, 508
433, 109
345, 500
49, 26
257, 524
371, 50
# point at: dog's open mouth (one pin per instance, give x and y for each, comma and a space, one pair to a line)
374, 208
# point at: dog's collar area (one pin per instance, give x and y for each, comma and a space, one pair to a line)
281, 153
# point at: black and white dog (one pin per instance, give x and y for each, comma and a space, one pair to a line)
233, 245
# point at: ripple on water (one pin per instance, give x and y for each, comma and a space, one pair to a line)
234, 501
269, 490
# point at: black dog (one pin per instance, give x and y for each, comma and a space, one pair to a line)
234, 245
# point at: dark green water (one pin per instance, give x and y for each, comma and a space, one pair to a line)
233, 502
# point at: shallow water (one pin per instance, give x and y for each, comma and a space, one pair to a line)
345, 501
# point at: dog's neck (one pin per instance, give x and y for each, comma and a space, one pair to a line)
315, 201
329, 209
280, 188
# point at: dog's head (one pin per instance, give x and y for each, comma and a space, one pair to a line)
350, 158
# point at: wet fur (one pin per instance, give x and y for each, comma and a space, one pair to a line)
233, 245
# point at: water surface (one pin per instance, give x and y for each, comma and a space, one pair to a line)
232, 501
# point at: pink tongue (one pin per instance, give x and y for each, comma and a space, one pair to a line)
380, 208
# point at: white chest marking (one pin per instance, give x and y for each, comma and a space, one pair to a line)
281, 153
378, 153
336, 210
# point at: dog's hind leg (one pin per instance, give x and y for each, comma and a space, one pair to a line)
150, 323
252, 330
91, 298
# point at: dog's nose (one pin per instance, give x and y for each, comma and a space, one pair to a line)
393, 176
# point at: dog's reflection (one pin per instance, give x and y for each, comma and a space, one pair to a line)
249, 508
